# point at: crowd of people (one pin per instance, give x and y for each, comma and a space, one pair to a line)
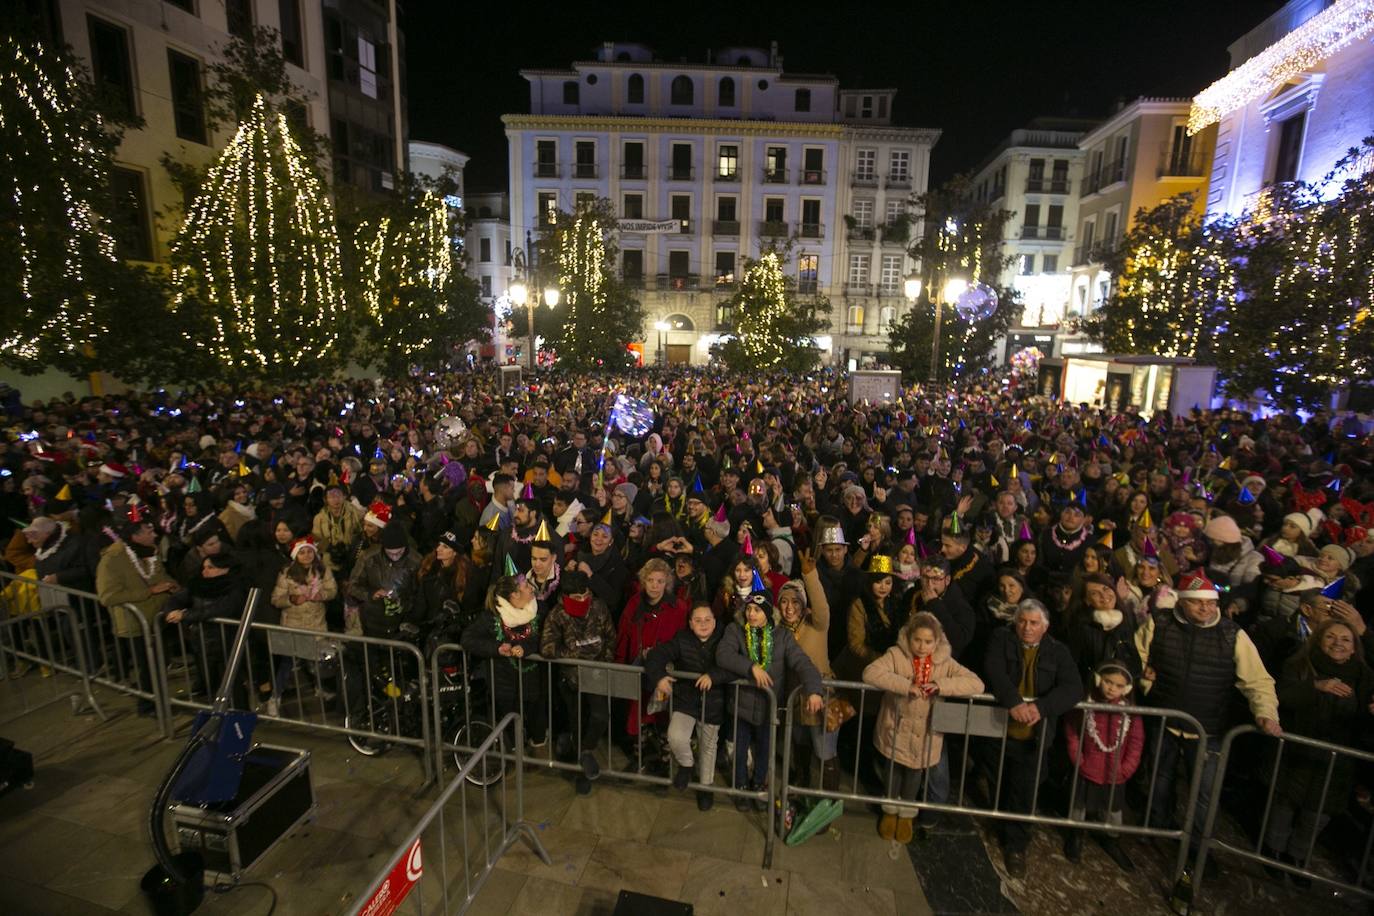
767, 535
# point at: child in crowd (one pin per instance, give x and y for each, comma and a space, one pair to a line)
913, 673
1105, 747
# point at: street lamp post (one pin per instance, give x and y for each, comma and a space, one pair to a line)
519, 292
662, 327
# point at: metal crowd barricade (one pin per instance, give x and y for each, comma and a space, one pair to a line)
406, 888
977, 727
1289, 750
373, 692
41, 639
464, 704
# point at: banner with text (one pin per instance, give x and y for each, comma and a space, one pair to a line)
648, 226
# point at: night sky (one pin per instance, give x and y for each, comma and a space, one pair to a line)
977, 70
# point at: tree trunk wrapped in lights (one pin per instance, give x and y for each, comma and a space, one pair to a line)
256, 264
771, 329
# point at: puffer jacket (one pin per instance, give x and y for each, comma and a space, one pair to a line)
309, 614
902, 732
377, 571
1115, 764
788, 661
685, 652
590, 637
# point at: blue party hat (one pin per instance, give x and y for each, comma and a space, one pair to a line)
1246, 498
758, 582
1334, 591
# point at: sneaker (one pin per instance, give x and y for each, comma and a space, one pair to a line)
273, 707
705, 800
1113, 849
541, 741
759, 804
590, 767
681, 778
1015, 860
583, 784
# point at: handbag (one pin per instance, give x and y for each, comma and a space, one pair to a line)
838, 711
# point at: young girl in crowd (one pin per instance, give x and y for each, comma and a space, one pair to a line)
301, 592
912, 674
698, 705
1105, 748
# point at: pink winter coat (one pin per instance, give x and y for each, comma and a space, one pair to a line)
1110, 767
903, 720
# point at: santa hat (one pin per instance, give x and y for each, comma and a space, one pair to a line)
1195, 584
300, 543
113, 469
379, 514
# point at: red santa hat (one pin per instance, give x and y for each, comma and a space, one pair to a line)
379, 514
113, 469
300, 543
1195, 584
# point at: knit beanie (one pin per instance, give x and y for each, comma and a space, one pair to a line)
1343, 556
1222, 529
1303, 522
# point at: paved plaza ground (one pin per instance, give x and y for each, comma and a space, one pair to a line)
76, 843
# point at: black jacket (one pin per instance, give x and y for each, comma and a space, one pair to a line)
73, 562
608, 577
954, 613
1058, 688
1091, 645
686, 653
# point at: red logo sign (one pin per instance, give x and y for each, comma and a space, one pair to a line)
391, 892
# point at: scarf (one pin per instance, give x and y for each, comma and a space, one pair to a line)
512, 616
248, 512
576, 607
1109, 619
759, 644
921, 669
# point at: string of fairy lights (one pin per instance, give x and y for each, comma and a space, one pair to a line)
260, 252
763, 295
40, 130
581, 275
404, 257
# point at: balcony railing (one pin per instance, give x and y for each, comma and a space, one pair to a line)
1090, 253
546, 170
890, 289
862, 233
806, 287
677, 282
774, 229
811, 176
1105, 176
810, 230
633, 172
725, 176
1044, 185
864, 180
858, 289
1180, 162
896, 234
680, 173
774, 176
1042, 232
584, 170
899, 182
725, 282
725, 227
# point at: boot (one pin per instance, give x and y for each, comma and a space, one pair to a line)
1114, 852
830, 775
904, 830
1073, 846
801, 777
887, 827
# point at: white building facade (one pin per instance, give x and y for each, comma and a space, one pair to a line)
704, 163
1300, 93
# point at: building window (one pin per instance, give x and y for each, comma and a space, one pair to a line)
865, 164
292, 41
239, 17
546, 158
896, 210
486, 285
803, 100
727, 162
811, 227
866, 107
724, 313
678, 262
584, 154
775, 165
632, 159
632, 264
1049, 263
726, 209
1027, 264
807, 271
854, 319
632, 206
1288, 155
813, 165
584, 200
1032, 221
634, 90
899, 165
858, 270
484, 250
129, 222
727, 92
188, 109
680, 92
891, 277
725, 268
887, 316
110, 64
548, 208
571, 92
680, 209
863, 213
773, 210
367, 67
681, 168
1109, 228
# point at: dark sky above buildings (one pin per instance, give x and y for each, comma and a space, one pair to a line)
976, 69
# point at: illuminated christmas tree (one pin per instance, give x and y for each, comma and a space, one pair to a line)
60, 278
773, 330
256, 264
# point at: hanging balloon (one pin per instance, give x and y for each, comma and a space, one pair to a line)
977, 303
632, 416
448, 431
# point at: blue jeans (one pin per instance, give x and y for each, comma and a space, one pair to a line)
1178, 750
758, 738
905, 783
